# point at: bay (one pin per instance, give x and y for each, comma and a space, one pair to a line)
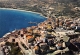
16, 19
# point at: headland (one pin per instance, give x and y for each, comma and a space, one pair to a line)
53, 36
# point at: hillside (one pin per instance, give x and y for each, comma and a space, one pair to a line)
49, 8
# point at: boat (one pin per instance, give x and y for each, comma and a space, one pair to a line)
32, 22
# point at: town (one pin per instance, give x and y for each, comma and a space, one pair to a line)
58, 35
51, 37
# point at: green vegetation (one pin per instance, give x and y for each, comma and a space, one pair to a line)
15, 50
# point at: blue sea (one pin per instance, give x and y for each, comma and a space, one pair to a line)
16, 19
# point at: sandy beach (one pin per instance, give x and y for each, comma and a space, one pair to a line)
24, 11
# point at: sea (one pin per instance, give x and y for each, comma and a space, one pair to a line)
11, 19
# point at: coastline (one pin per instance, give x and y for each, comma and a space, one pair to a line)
22, 11
8, 33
